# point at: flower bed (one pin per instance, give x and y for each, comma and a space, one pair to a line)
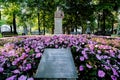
93, 59
112, 42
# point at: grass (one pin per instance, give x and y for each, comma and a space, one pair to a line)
1, 46
0, 35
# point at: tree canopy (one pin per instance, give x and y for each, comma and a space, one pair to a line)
39, 14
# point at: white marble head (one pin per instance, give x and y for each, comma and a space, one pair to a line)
58, 8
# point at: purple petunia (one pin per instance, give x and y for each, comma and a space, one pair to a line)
30, 78
22, 77
27, 50
81, 68
89, 55
119, 56
98, 51
113, 77
38, 55
106, 67
89, 66
11, 78
11, 53
115, 72
1, 69
82, 58
98, 57
37, 50
16, 71
28, 67
101, 73
14, 63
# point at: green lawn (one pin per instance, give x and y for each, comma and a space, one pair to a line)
0, 35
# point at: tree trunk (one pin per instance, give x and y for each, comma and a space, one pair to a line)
98, 22
0, 19
38, 22
52, 30
75, 29
30, 31
14, 23
63, 29
112, 26
103, 27
11, 28
25, 30
0, 15
44, 21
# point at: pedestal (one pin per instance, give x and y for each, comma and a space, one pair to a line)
58, 26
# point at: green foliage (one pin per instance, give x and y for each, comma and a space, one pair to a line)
77, 12
31, 52
0, 35
2, 22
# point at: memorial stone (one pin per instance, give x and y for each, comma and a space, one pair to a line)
56, 64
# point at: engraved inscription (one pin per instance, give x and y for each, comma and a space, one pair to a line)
56, 63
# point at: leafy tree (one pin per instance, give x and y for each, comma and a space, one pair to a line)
11, 8
77, 13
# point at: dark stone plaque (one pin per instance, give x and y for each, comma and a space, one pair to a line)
57, 64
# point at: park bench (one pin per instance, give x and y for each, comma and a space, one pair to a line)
8, 34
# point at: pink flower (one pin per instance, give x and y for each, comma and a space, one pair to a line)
25, 61
106, 67
115, 72
56, 46
28, 67
22, 77
18, 59
38, 55
30, 78
99, 52
16, 71
119, 56
11, 53
23, 56
27, 50
98, 57
91, 46
83, 52
85, 56
11, 78
33, 46
81, 68
112, 53
101, 73
89, 66
14, 63
113, 77
82, 58
1, 69
105, 57
108, 61
37, 50
8, 65
86, 49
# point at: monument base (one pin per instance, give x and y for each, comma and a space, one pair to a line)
58, 26
56, 64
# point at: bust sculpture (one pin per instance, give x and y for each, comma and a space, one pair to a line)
59, 13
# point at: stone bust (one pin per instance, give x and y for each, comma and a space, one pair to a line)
59, 13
